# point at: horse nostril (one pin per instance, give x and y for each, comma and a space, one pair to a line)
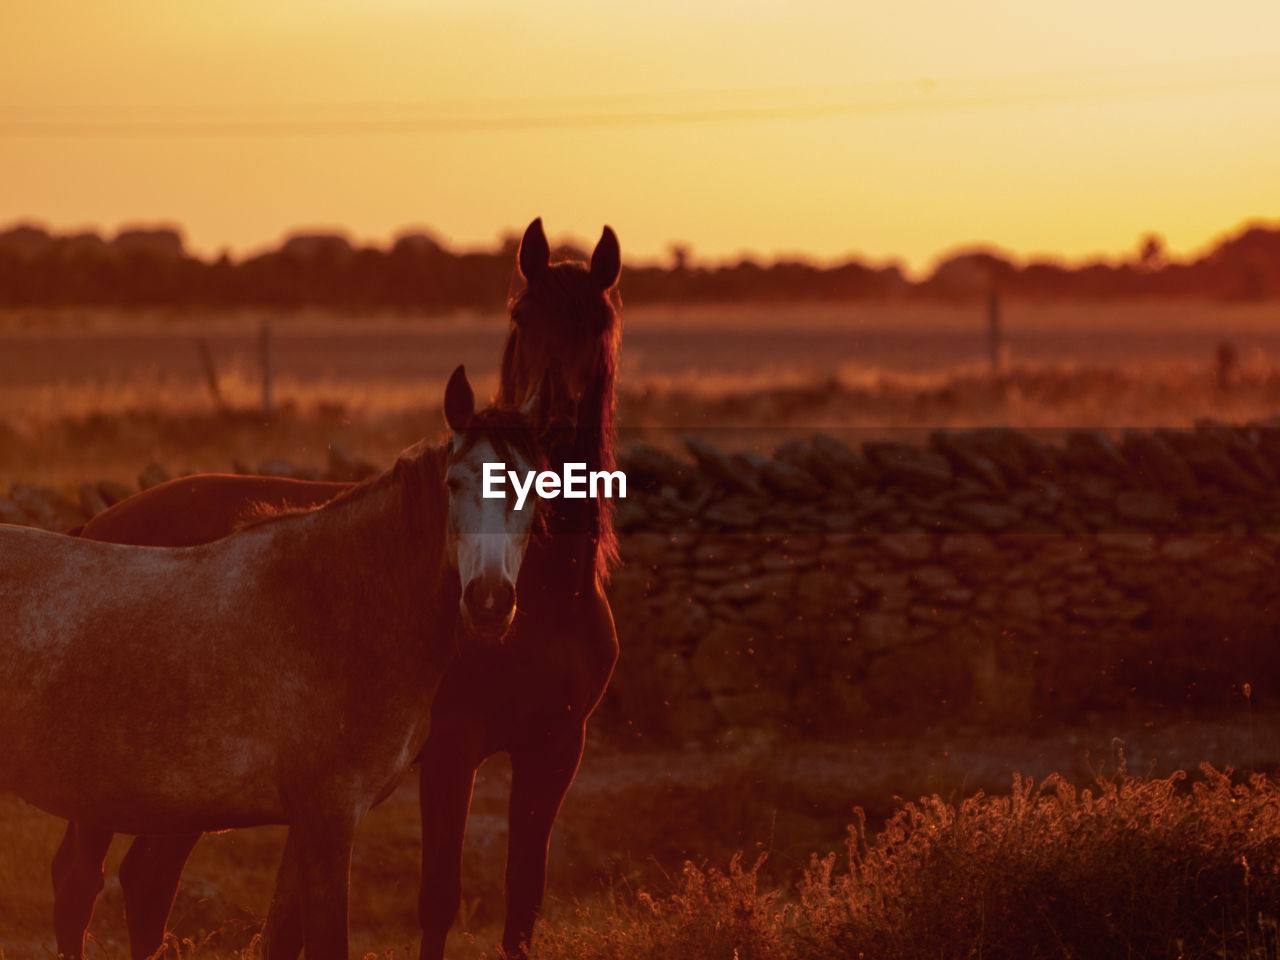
506, 596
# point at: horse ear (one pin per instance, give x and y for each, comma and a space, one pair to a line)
606, 260
459, 401
535, 254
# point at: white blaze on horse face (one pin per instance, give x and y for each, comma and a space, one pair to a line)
490, 537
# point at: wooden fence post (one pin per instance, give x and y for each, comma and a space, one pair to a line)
264, 350
995, 331
210, 371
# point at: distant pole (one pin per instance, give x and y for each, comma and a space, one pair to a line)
1226, 361
210, 370
264, 349
995, 332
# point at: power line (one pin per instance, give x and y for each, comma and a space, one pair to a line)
598, 101
924, 102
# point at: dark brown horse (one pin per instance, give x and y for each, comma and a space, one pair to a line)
533, 701
284, 674
531, 698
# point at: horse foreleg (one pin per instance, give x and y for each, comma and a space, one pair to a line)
77, 881
149, 878
540, 778
324, 875
282, 936
446, 779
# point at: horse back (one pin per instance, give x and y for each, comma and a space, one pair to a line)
202, 508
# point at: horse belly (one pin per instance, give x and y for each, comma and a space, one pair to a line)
157, 802
140, 773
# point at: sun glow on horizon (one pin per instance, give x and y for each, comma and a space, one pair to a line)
812, 129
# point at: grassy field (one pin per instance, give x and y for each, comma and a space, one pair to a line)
92, 394
713, 345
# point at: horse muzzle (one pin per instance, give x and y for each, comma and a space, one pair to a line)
488, 608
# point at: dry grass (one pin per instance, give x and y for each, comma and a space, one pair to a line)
1128, 868
72, 408
66, 452
65, 434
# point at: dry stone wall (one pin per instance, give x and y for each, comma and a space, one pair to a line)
980, 577
983, 577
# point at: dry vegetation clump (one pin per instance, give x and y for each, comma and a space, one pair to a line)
710, 914
1130, 867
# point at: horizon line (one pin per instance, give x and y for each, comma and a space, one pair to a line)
506, 235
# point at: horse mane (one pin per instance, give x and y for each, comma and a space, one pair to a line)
593, 315
413, 464
595, 440
508, 430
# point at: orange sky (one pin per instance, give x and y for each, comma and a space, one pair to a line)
822, 128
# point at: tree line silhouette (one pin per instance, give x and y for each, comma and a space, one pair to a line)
151, 267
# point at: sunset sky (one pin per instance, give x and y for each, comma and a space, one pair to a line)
809, 127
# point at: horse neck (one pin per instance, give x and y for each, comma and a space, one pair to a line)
390, 531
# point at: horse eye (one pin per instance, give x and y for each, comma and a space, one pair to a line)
453, 484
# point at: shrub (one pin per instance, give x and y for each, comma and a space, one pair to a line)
1129, 867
